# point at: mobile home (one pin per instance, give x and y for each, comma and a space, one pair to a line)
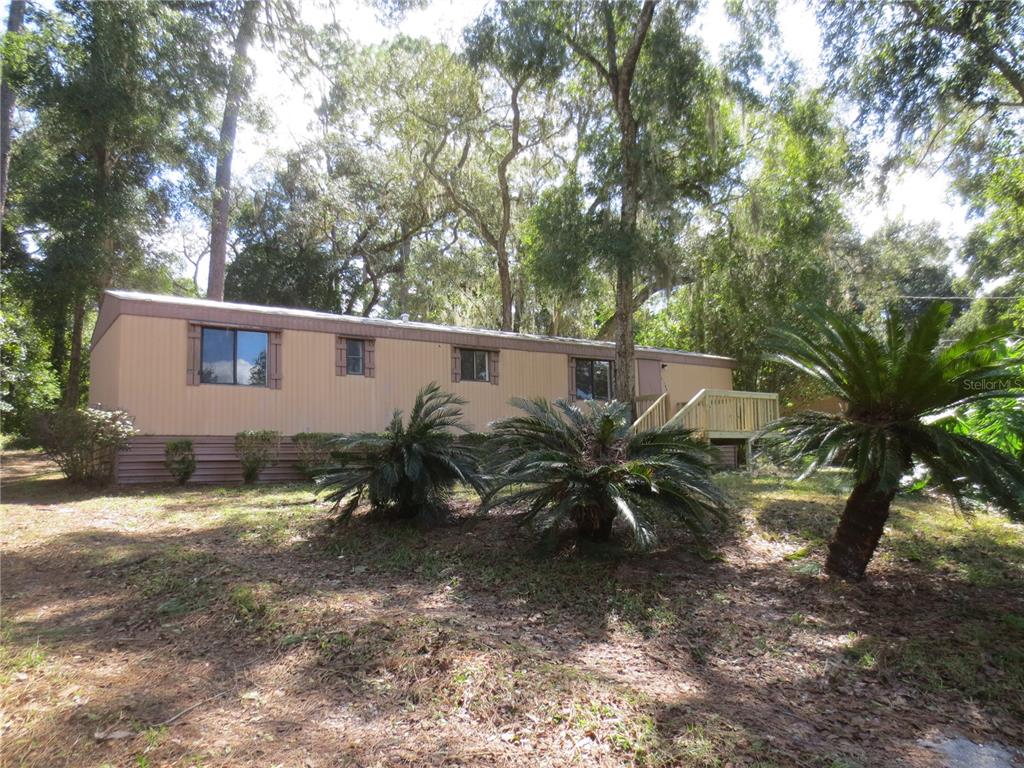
207, 370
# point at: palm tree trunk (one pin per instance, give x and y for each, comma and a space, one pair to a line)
860, 529
595, 524
226, 150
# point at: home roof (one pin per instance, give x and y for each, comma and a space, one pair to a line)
116, 302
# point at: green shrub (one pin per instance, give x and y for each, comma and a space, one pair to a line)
256, 449
408, 470
566, 462
83, 441
312, 452
180, 460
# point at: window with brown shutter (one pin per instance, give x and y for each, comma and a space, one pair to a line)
354, 357
340, 356
473, 365
234, 356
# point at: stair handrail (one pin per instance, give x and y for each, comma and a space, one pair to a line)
690, 405
635, 426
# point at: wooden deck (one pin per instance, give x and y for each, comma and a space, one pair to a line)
715, 414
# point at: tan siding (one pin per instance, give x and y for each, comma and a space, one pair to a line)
685, 381
105, 366
312, 398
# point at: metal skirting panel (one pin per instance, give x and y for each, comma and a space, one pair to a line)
216, 462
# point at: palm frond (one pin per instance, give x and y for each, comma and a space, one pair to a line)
578, 462
893, 386
409, 469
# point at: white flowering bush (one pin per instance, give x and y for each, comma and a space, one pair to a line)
83, 441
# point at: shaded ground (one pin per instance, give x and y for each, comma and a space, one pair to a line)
217, 627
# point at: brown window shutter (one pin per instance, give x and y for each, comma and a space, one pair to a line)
194, 362
572, 378
456, 364
274, 361
340, 356
369, 366
493, 367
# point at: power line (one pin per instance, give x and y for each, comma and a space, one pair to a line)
965, 298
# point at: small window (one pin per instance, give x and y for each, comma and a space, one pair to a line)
474, 365
593, 379
234, 357
355, 357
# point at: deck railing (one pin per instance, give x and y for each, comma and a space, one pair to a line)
725, 413
654, 411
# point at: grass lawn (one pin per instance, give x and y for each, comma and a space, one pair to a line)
227, 626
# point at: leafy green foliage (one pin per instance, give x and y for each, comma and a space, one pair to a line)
943, 81
899, 261
118, 110
772, 245
256, 449
999, 422
29, 383
895, 388
312, 452
180, 459
83, 442
909, 66
411, 468
565, 462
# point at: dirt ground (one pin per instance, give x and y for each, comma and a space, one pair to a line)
233, 627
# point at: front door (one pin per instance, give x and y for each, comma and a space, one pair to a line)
648, 379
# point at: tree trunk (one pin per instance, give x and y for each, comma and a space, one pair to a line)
402, 289
505, 225
624, 271
226, 149
624, 375
860, 529
620, 80
594, 524
73, 385
59, 344
15, 19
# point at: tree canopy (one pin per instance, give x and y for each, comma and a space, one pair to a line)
591, 169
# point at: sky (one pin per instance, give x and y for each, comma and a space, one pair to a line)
919, 196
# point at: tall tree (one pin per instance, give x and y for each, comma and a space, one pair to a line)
15, 20
522, 59
651, 151
237, 86
943, 81
112, 89
899, 386
593, 33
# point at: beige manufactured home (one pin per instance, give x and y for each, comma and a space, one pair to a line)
206, 370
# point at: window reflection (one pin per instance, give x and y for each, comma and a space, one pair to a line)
234, 357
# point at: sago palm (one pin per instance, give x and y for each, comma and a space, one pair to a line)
565, 461
410, 469
897, 388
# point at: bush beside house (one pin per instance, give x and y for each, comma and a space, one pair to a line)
83, 442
